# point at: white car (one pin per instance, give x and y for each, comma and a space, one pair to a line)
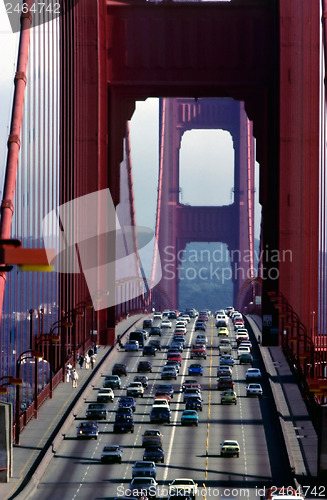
229, 448
254, 390
253, 374
247, 343
157, 315
242, 350
183, 486
224, 370
135, 389
166, 323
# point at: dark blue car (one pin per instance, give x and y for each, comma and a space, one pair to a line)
195, 369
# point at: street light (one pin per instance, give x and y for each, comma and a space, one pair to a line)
46, 337
85, 304
58, 324
29, 354
11, 381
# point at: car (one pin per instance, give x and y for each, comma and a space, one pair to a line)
183, 486
152, 437
162, 395
123, 423
142, 485
154, 453
168, 388
139, 335
166, 323
254, 390
247, 343
179, 338
245, 358
175, 356
131, 345
229, 448
147, 323
119, 369
172, 315
149, 350
172, 362
143, 379
143, 468
160, 402
112, 382
124, 410
202, 338
221, 323
223, 330
195, 369
198, 351
189, 417
190, 382
155, 343
242, 350
160, 414
105, 395
135, 389
200, 325
227, 360
241, 337
228, 397
181, 323
112, 453
193, 403
253, 374
97, 411
225, 383
155, 330
177, 346
157, 315
225, 346
144, 366
87, 430
224, 370
127, 401
191, 391
185, 316
168, 372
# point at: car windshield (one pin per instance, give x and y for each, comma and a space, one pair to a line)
142, 480
111, 448
182, 481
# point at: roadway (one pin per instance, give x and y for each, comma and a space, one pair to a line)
76, 472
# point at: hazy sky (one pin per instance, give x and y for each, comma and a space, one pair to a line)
206, 165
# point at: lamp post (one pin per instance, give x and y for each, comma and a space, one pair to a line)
75, 312
85, 304
11, 381
29, 354
59, 324
47, 337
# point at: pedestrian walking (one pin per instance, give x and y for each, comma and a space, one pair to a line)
74, 377
93, 358
87, 361
81, 361
68, 372
95, 348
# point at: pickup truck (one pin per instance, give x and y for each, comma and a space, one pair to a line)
225, 346
97, 411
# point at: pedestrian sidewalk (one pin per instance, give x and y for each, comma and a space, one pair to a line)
42, 436
299, 434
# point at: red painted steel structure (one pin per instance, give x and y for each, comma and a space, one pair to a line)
179, 224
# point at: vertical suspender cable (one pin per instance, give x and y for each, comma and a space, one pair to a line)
7, 206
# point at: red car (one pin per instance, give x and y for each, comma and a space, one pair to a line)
198, 351
174, 356
225, 383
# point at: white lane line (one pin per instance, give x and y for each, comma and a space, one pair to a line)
172, 435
